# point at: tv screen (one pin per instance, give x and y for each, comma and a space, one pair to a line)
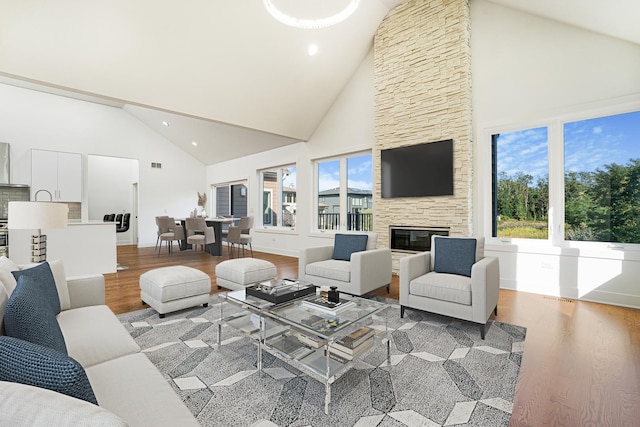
418, 170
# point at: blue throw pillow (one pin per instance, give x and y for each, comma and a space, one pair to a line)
455, 256
29, 317
346, 244
44, 278
32, 364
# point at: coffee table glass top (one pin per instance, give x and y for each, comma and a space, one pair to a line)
302, 316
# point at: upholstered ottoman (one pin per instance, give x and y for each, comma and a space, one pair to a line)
174, 288
236, 274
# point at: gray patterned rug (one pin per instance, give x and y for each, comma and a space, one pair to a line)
441, 373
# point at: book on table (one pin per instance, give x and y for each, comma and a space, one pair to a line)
338, 353
323, 304
356, 337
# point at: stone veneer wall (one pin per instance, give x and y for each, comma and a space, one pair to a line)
422, 64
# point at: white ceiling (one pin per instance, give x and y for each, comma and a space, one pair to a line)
222, 73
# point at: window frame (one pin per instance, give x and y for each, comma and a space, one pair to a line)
555, 131
276, 193
343, 196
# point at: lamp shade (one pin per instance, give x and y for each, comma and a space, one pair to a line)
37, 215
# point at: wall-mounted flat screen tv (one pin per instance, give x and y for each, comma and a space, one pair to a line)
420, 170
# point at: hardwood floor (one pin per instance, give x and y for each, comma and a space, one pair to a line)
581, 364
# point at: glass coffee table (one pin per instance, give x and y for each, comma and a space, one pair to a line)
321, 343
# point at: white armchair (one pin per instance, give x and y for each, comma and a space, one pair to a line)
365, 271
442, 286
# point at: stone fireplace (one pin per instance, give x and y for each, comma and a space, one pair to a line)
422, 72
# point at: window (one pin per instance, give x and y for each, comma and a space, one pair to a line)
231, 199
602, 179
521, 184
279, 197
591, 193
344, 193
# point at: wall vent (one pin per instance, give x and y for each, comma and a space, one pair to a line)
155, 165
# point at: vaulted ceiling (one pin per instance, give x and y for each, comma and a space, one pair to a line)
222, 73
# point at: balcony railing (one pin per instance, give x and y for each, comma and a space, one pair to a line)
355, 221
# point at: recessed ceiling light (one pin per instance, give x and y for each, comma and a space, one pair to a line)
313, 49
195, 144
165, 123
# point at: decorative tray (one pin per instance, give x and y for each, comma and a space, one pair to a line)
280, 290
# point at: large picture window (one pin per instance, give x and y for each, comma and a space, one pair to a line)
592, 193
521, 184
344, 193
602, 179
279, 197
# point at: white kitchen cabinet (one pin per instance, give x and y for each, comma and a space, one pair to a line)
58, 173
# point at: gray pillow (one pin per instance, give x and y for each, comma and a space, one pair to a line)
44, 278
454, 255
346, 244
29, 316
32, 364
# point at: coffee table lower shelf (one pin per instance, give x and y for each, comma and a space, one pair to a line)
269, 330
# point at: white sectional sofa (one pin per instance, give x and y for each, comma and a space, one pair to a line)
127, 386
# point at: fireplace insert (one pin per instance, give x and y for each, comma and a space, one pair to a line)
413, 239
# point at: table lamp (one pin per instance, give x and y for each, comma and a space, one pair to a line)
37, 216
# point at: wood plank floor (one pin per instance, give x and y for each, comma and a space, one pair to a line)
581, 364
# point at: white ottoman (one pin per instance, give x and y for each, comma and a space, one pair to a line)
236, 274
174, 288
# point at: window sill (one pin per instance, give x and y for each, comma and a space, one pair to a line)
578, 250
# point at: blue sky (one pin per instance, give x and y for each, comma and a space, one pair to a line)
359, 173
589, 145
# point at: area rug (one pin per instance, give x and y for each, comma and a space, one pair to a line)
441, 372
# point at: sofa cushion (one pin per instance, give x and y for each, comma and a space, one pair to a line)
32, 364
446, 287
454, 256
29, 316
132, 387
60, 279
25, 405
330, 269
7, 279
93, 335
4, 297
346, 244
43, 276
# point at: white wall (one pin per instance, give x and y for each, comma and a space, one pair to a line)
31, 119
347, 128
526, 70
109, 192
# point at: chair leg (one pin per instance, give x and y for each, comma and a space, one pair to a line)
482, 330
495, 310
389, 288
402, 311
251, 247
157, 239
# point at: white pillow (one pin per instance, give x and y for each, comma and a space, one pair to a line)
24, 405
7, 279
57, 268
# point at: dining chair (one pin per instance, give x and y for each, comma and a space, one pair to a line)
240, 234
169, 231
198, 233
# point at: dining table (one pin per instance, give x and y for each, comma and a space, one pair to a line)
214, 248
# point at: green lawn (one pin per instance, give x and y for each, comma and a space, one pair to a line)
523, 229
